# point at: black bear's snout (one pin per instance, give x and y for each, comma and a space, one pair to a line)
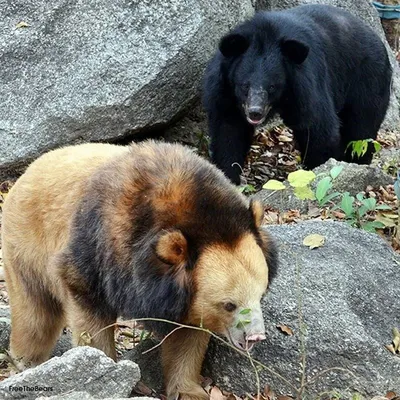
257, 106
256, 113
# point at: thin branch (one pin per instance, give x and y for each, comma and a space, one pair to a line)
257, 375
163, 340
196, 328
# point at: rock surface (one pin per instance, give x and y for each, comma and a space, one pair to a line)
87, 396
354, 178
96, 71
80, 369
346, 293
364, 10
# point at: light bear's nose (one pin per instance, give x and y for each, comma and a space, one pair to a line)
255, 337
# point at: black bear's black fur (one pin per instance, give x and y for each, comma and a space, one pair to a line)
322, 69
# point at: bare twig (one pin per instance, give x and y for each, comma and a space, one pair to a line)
301, 333
197, 328
299, 391
257, 375
163, 340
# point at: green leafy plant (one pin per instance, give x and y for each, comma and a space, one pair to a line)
360, 147
243, 322
301, 182
357, 208
247, 189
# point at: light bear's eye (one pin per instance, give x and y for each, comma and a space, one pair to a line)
230, 307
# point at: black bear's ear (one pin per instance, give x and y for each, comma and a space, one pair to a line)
294, 50
257, 211
233, 45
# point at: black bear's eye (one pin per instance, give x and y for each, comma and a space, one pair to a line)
271, 88
230, 307
245, 87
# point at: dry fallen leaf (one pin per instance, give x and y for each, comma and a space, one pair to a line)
391, 395
141, 388
379, 398
216, 394
232, 396
314, 211
285, 329
314, 240
85, 339
390, 348
268, 393
394, 347
396, 339
284, 139
22, 24
206, 383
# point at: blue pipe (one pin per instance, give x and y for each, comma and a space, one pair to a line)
387, 11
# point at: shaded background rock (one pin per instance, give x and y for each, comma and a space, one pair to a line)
349, 295
97, 71
80, 369
149, 363
366, 11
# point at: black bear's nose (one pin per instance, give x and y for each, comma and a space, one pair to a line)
256, 113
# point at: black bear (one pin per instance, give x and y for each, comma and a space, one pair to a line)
322, 69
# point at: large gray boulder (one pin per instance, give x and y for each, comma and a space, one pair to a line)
102, 69
365, 11
346, 294
80, 369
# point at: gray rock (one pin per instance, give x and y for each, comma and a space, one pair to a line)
282, 200
80, 369
354, 178
364, 10
389, 160
149, 363
86, 396
5, 330
346, 294
96, 71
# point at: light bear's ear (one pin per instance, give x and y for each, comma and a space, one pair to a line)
233, 45
294, 50
171, 248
